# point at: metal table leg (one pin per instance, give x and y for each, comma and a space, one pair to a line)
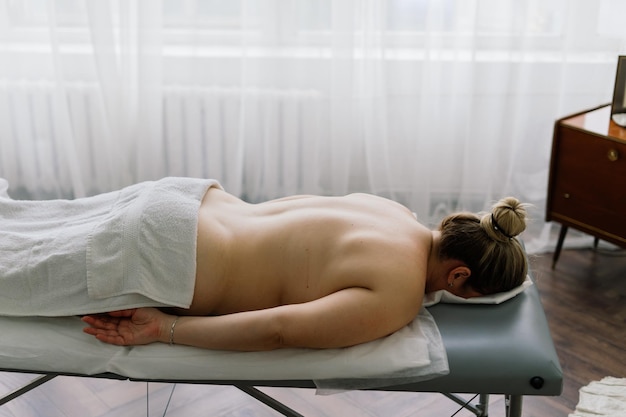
24, 389
513, 404
269, 401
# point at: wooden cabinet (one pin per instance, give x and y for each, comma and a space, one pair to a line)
587, 185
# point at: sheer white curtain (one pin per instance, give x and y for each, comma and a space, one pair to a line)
440, 104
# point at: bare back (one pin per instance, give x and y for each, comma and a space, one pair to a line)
299, 249
311, 272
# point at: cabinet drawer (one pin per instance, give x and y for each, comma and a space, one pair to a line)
590, 171
591, 217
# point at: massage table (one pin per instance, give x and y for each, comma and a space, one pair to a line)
504, 349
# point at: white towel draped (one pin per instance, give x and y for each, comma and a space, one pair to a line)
129, 248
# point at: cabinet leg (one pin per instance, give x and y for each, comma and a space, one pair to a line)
595, 243
559, 245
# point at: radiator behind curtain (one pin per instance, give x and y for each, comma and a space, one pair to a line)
260, 144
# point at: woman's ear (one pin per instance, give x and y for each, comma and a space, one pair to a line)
458, 276
457, 283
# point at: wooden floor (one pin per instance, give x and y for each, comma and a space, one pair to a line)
584, 299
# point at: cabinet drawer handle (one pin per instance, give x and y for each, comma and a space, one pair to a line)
613, 155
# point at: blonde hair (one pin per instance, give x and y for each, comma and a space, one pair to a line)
487, 244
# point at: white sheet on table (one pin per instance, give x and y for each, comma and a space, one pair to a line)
414, 353
59, 345
443, 296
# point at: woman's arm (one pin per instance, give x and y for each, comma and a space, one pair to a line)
345, 318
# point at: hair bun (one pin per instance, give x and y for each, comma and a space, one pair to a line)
506, 220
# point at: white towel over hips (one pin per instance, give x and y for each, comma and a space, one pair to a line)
129, 248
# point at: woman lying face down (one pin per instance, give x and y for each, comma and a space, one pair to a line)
322, 272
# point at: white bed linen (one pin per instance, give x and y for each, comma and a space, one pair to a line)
443, 296
59, 345
414, 353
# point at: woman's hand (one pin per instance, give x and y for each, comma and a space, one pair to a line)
139, 326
